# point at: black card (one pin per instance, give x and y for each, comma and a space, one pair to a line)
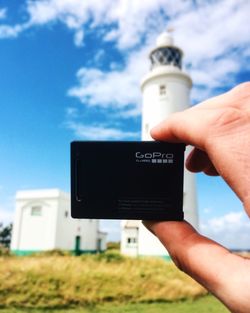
127, 180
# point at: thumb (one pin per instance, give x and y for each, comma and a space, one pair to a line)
184, 243
206, 261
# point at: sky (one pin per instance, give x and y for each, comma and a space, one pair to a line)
71, 69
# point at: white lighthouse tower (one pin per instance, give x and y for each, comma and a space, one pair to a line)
165, 90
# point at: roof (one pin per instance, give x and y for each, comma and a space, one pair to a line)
131, 224
41, 193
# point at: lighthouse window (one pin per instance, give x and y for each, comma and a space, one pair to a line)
36, 210
162, 90
131, 240
166, 56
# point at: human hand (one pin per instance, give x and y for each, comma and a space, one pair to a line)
219, 130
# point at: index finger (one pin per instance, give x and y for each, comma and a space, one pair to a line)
191, 126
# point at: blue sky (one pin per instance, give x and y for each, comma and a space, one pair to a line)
71, 69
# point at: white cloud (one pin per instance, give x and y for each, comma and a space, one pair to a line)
209, 36
118, 88
78, 38
130, 19
3, 13
232, 230
101, 132
214, 36
99, 56
71, 112
7, 31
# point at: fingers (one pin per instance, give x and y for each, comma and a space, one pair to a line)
194, 125
198, 161
223, 133
206, 261
188, 126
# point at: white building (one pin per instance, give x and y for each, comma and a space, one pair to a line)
43, 222
165, 90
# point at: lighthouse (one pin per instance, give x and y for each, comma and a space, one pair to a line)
165, 90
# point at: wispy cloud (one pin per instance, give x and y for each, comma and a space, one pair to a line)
101, 132
78, 38
213, 34
128, 20
3, 13
116, 88
232, 230
7, 31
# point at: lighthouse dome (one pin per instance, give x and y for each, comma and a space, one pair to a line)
164, 39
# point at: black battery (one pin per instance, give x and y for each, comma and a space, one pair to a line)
127, 180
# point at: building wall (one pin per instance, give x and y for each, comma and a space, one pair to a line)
34, 232
68, 229
65, 225
129, 247
165, 91
89, 234
53, 228
157, 105
190, 196
149, 244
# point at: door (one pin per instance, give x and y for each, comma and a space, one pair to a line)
99, 245
77, 245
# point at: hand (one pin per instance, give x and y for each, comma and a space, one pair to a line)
219, 130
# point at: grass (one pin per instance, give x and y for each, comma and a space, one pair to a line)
206, 304
68, 281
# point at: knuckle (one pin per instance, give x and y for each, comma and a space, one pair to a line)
227, 119
242, 89
227, 122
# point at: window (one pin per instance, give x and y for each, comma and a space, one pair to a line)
131, 240
162, 90
36, 210
66, 214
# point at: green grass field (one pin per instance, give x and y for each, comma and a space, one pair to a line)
206, 304
99, 283
66, 281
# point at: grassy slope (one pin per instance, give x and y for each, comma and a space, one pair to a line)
207, 304
66, 281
